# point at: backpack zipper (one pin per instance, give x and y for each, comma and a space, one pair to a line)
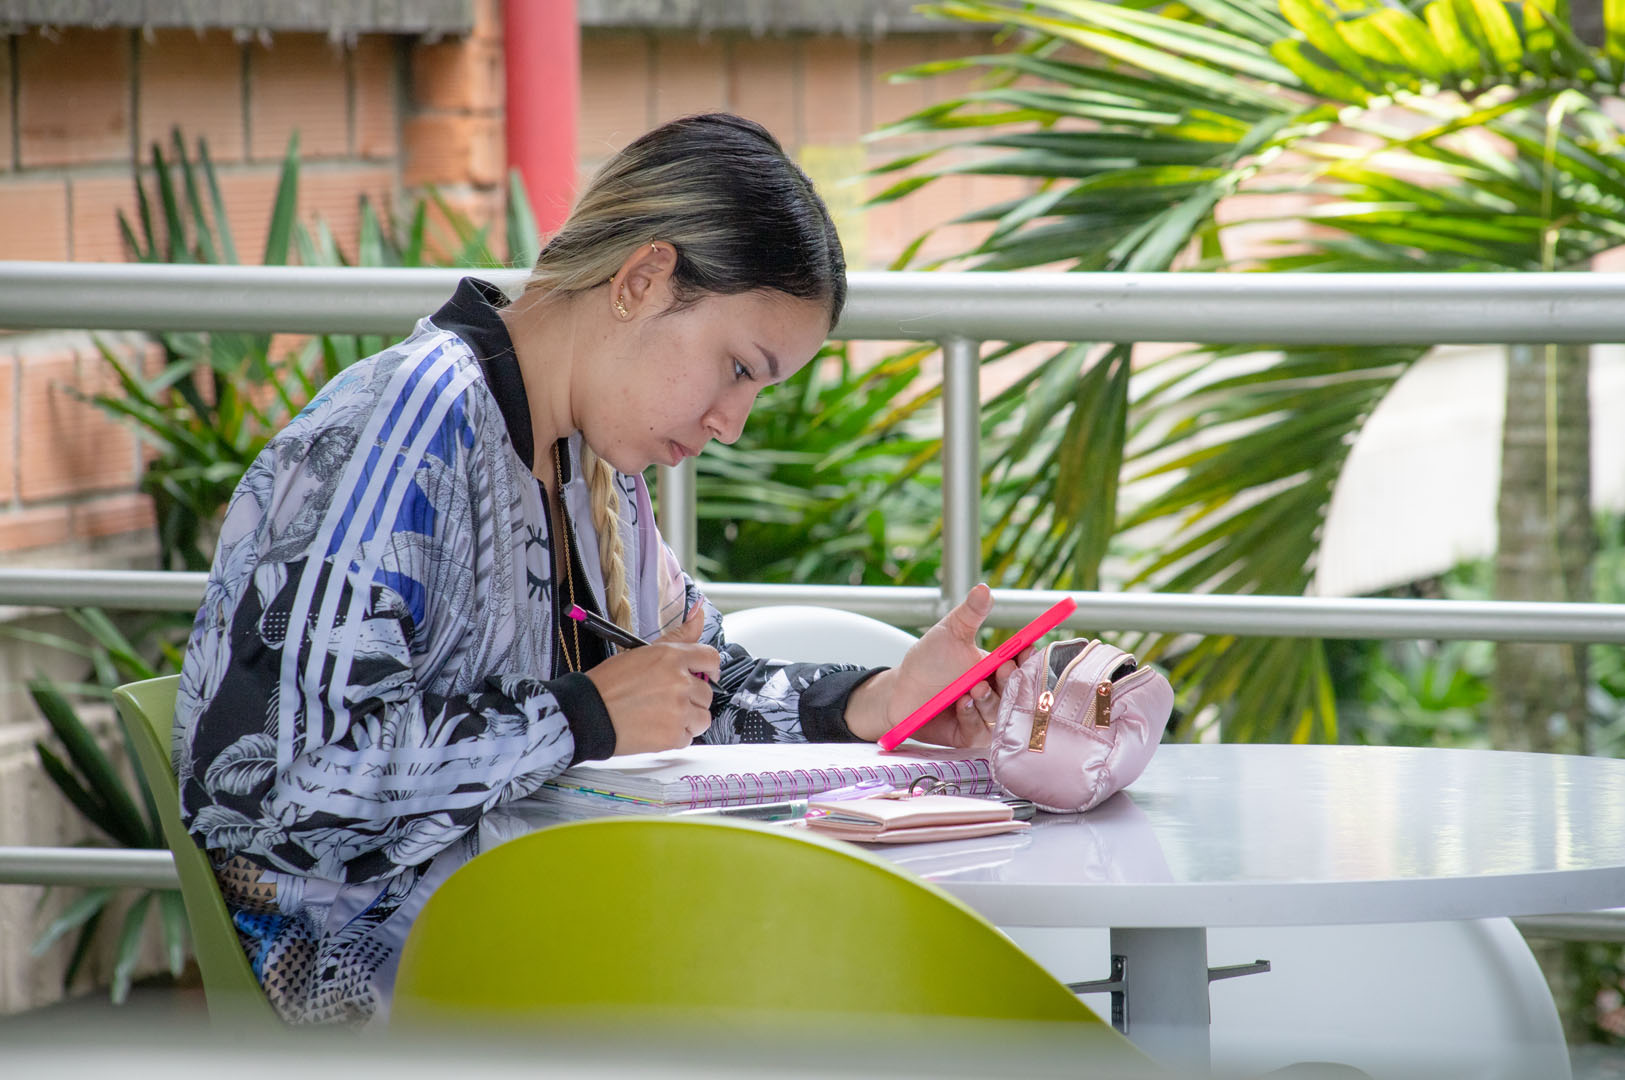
1101, 706
1046, 700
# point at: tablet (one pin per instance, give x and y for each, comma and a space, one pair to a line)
979, 672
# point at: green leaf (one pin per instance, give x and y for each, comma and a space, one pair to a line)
88, 906
144, 209
1229, 51
1323, 81
124, 822
285, 207
898, 190
93, 809
194, 201
524, 239
1459, 51
1149, 59
172, 911
228, 248
175, 246
94, 621
1256, 22
81, 948
1412, 42
1496, 24
128, 952
1365, 37
1090, 462
1613, 21
130, 240
1309, 18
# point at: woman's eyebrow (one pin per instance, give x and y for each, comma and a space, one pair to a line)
772, 361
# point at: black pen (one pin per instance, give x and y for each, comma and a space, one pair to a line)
612, 633
604, 628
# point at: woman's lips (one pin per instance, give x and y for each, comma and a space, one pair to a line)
679, 451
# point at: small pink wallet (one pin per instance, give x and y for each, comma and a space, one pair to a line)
910, 820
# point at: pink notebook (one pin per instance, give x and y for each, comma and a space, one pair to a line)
910, 820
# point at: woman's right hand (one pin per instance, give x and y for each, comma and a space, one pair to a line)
656, 696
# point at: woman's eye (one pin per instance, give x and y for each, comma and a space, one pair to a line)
741, 371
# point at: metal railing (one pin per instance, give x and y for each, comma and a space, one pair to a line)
959, 311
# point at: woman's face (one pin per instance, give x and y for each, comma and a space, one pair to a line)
666, 384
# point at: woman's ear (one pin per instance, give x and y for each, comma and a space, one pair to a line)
643, 283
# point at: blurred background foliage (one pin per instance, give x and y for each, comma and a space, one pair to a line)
1447, 135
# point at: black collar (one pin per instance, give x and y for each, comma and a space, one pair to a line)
471, 314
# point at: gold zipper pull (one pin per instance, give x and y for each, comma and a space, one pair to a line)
1035, 741
1103, 703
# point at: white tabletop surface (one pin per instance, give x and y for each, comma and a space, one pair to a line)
1254, 835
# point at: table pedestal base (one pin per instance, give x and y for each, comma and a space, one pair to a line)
1165, 987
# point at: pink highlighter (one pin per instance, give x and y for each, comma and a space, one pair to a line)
978, 672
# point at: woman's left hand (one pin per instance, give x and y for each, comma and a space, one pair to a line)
946, 651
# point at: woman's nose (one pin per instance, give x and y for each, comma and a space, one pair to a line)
726, 421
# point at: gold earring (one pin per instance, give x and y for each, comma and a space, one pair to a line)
620, 307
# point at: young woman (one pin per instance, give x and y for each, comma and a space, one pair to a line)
381, 655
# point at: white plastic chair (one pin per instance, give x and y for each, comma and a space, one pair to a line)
816, 634
1442, 1000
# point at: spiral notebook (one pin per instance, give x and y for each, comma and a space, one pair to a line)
741, 774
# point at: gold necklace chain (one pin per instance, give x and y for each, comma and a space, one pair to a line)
569, 578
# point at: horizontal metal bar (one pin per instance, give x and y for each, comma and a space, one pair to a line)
1607, 925
1323, 617
118, 590
907, 606
1242, 616
146, 868
1353, 309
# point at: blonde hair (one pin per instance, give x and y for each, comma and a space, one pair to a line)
740, 215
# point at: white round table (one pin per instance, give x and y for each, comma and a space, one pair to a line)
1262, 835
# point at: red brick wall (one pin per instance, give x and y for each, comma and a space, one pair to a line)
381, 116
819, 95
88, 105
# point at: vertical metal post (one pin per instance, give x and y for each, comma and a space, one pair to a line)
675, 487
961, 468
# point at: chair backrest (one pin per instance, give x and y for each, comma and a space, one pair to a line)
712, 921
233, 994
820, 634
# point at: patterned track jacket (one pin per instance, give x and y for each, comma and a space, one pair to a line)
373, 667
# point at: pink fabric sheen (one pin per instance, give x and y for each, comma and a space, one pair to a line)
1080, 765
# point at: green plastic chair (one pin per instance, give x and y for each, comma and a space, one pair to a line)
715, 922
233, 994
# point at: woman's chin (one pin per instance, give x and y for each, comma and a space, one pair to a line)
625, 462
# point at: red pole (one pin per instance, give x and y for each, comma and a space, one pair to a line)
542, 55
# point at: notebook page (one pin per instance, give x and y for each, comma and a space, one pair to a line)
743, 773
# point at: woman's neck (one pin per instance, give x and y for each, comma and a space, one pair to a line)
546, 337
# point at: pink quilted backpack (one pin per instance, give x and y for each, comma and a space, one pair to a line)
1077, 723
